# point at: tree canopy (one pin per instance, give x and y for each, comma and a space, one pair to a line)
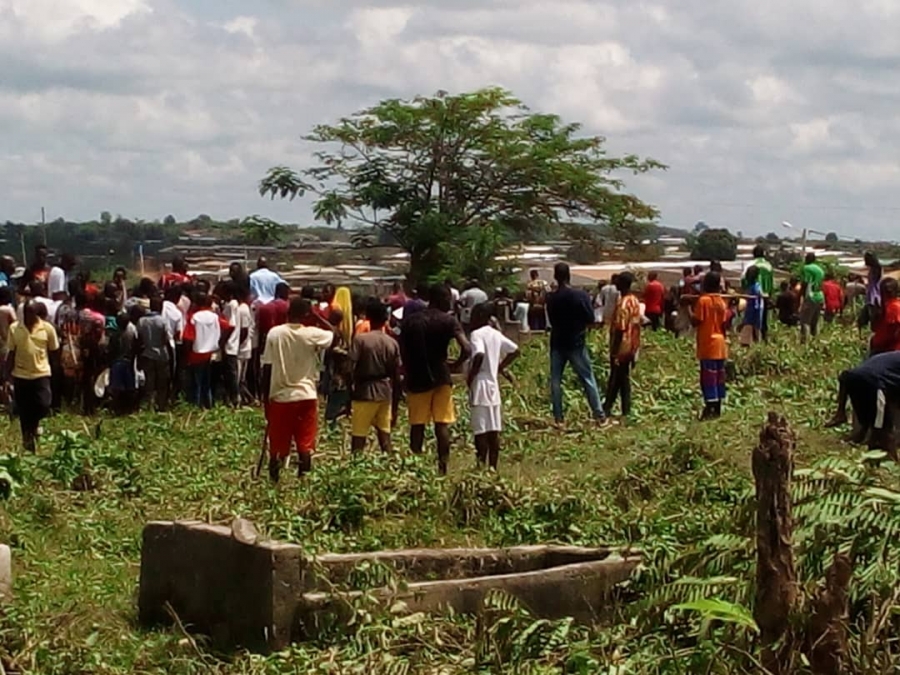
714, 244
453, 178
260, 231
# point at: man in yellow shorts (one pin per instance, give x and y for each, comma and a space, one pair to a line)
424, 339
375, 356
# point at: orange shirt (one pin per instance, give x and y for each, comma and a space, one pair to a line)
363, 326
711, 312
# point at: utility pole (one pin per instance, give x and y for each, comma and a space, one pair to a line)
44, 225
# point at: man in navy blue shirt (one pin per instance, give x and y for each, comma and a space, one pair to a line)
873, 389
570, 313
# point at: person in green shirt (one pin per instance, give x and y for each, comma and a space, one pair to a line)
813, 298
766, 281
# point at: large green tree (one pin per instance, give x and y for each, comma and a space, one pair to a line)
451, 174
714, 244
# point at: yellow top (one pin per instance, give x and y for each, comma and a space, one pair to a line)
343, 300
32, 349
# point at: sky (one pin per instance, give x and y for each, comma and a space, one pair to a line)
764, 111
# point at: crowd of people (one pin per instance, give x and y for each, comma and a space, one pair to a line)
249, 338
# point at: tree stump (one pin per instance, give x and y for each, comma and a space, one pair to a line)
828, 623
776, 576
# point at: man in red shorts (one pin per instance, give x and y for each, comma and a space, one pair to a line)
290, 363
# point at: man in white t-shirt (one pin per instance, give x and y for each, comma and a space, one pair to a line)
469, 298
174, 319
454, 293
58, 277
290, 377
492, 353
247, 322
38, 293
608, 298
237, 320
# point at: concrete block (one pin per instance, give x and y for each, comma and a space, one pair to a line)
242, 595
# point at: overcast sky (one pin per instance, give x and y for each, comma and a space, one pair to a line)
765, 110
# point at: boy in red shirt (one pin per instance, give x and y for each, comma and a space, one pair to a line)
886, 337
177, 277
834, 297
654, 294
205, 333
274, 313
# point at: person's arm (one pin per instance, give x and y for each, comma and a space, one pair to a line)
394, 368
52, 339
353, 353
139, 342
587, 312
225, 331
476, 343
465, 349
322, 322
10, 363
244, 317
474, 368
616, 335
266, 383
804, 285
187, 338
179, 328
8, 367
506, 363
265, 360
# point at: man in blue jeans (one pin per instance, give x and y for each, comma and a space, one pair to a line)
570, 314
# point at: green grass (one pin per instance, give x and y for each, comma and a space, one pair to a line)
662, 481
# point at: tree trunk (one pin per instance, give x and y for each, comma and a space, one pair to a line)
776, 577
828, 623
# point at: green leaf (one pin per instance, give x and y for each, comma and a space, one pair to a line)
720, 610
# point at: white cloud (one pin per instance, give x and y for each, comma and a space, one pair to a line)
245, 25
764, 110
57, 19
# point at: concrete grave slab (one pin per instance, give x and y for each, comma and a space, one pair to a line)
262, 595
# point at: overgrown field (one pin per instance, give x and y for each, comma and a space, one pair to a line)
664, 482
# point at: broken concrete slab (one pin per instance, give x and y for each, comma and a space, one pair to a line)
579, 590
223, 582
456, 563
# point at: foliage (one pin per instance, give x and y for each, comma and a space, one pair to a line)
12, 474
260, 231
433, 171
675, 488
714, 244
831, 238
